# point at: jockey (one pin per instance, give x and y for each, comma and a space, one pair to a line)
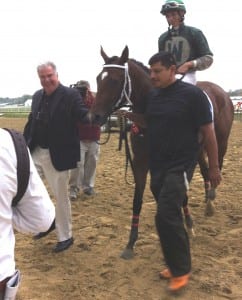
188, 44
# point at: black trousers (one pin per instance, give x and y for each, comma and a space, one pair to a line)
169, 189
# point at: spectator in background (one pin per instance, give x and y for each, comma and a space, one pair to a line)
52, 137
34, 212
83, 177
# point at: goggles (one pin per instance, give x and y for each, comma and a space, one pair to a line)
171, 6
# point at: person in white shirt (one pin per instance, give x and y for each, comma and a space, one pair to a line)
35, 211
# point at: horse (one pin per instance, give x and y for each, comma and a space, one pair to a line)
124, 82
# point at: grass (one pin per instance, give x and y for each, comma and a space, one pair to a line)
14, 112
15, 115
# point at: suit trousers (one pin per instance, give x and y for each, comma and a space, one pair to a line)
58, 184
83, 177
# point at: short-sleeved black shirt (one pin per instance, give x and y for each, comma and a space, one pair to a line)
174, 116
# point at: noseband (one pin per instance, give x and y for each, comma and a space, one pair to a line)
124, 99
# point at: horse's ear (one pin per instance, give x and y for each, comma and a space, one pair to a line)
104, 55
125, 55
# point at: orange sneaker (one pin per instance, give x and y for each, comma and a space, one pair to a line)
178, 283
165, 274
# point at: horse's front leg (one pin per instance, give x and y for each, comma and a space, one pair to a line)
128, 252
140, 166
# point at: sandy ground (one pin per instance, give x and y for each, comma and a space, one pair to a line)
92, 267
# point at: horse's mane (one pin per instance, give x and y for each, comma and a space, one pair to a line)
114, 59
140, 64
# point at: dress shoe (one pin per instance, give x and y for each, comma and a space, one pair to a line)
89, 192
73, 193
61, 246
44, 233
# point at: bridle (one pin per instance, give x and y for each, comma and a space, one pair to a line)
124, 99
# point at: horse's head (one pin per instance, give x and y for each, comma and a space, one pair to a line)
113, 85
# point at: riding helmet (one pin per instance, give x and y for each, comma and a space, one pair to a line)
170, 5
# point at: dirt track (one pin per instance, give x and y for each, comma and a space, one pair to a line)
92, 267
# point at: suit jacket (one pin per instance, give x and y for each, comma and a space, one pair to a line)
65, 110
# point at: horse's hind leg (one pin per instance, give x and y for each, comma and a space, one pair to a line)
187, 216
210, 193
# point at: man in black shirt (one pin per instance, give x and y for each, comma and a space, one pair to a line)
177, 118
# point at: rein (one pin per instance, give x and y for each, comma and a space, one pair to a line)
123, 136
108, 133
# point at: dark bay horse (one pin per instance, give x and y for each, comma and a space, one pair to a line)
124, 82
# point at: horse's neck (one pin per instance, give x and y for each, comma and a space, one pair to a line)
141, 85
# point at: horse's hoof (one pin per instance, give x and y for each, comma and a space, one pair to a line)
127, 254
209, 209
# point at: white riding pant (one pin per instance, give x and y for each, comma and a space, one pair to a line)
191, 78
83, 177
58, 183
